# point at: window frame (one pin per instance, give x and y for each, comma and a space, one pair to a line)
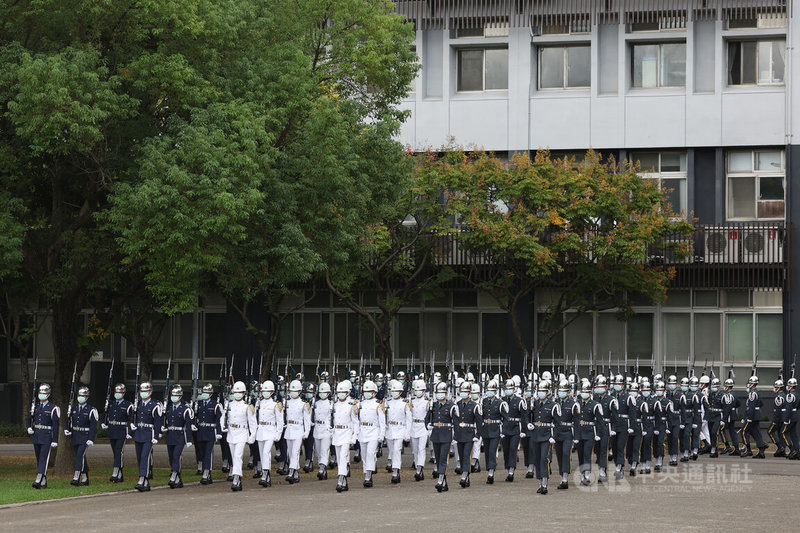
564, 66
758, 41
757, 175
660, 44
482, 49
660, 175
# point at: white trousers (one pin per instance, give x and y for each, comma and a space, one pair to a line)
418, 450
323, 448
395, 452
476, 450
293, 451
704, 431
342, 458
368, 451
237, 450
265, 452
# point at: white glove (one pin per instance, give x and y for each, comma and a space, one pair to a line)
694, 426
597, 438
574, 442
67, 432
530, 426
722, 425
251, 439
154, 441
217, 437
133, 426
54, 445
682, 426
194, 428
630, 431
475, 439
552, 440
30, 431
90, 443
128, 437
353, 441
163, 429
502, 436
613, 433
104, 426
522, 435
188, 444
656, 432
668, 432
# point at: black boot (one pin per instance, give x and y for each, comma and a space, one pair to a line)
178, 481
146, 487
37, 484
444, 485
236, 486
140, 485
476, 467
563, 485
308, 466
75, 479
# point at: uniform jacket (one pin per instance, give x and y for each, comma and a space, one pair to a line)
372, 417
345, 423
468, 424
398, 419
83, 424
269, 419
44, 422
208, 420
240, 420
178, 423
440, 419
147, 419
118, 418
298, 419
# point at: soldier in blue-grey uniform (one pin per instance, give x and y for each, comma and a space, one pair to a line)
662, 412
146, 429
675, 398
587, 424
730, 415
713, 414
637, 409
541, 425
491, 428
118, 419
792, 406
515, 418
43, 428
602, 397
207, 420
467, 426
620, 424
178, 419
439, 420
82, 430
564, 431
752, 419
779, 416
684, 406
696, 402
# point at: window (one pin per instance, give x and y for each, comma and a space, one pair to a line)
658, 65
761, 62
756, 185
564, 67
482, 69
669, 171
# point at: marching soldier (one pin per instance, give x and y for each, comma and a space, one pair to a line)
752, 417
649, 420
475, 396
240, 421
544, 414
440, 418
298, 427
82, 430
620, 425
491, 428
269, 419
208, 421
398, 426
730, 415
696, 402
466, 428
779, 416
713, 410
419, 433
516, 417
564, 431
588, 422
525, 440
661, 409
601, 447
792, 404
637, 408
43, 428
372, 418
321, 422
308, 442
674, 397
345, 432
146, 432
178, 427
118, 419
685, 409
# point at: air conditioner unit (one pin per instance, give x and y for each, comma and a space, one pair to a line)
721, 245
762, 245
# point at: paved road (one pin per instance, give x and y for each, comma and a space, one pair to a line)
708, 495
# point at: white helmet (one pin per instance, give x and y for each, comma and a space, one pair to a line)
459, 381
418, 385
394, 386
348, 385
492, 385
475, 389
295, 386
470, 377
324, 388
369, 386
516, 379
705, 380
239, 387
342, 387
546, 375
267, 386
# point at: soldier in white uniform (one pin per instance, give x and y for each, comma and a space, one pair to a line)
419, 434
345, 431
372, 417
398, 426
298, 426
240, 422
321, 422
269, 415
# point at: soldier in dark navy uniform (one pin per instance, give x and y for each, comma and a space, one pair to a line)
525, 441
118, 419
793, 415
439, 419
684, 406
587, 430
712, 407
662, 414
308, 443
637, 408
467, 426
541, 425
730, 415
491, 428
43, 429
752, 419
207, 420
650, 417
620, 424
779, 416
146, 432
178, 418
673, 430
515, 417
696, 403
82, 430
601, 447
564, 431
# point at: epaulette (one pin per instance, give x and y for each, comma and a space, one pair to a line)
279, 405
251, 408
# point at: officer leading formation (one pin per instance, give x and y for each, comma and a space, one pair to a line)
635, 423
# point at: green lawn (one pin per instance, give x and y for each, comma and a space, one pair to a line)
17, 474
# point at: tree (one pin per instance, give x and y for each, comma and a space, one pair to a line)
582, 229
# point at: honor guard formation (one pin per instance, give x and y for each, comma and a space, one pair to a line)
634, 421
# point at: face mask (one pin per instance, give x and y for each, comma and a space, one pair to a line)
309, 395
672, 386
368, 395
600, 390
43, 397
693, 388
541, 394
585, 395
509, 392
562, 394
144, 395
238, 396
490, 394
419, 393
341, 395
323, 395
203, 396
463, 395
684, 388
395, 394
474, 397
528, 394
646, 393
175, 399
634, 394
266, 394
82, 399
294, 394
659, 393
118, 395
714, 389
440, 396
352, 380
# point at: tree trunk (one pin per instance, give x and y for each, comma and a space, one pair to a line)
66, 313
26, 385
515, 326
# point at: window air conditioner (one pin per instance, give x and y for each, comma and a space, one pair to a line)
721, 245
761, 245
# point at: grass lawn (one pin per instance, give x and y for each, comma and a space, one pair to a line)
17, 474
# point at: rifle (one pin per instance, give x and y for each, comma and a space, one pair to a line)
108, 390
166, 390
72, 388
36, 384
228, 386
794, 359
195, 376
261, 367
136, 390
316, 371
223, 369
